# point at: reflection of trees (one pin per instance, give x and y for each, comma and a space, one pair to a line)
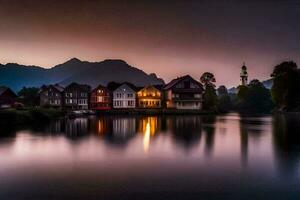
209, 128
250, 127
244, 142
186, 129
286, 141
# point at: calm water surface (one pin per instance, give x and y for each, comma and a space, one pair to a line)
153, 157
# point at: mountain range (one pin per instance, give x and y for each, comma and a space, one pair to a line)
16, 76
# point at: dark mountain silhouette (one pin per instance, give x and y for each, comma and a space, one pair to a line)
16, 76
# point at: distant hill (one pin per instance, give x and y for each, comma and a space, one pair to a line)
267, 83
16, 76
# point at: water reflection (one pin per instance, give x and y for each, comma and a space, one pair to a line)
232, 152
286, 136
148, 126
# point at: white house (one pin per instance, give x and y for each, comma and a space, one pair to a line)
124, 97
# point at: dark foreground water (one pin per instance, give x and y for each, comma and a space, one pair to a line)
153, 157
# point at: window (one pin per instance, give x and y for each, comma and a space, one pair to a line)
69, 94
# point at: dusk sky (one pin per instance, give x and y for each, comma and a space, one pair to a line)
169, 38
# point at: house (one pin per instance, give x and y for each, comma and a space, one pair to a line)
124, 96
76, 96
183, 93
7, 97
100, 98
149, 97
51, 95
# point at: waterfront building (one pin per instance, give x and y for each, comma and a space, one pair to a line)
7, 97
149, 97
183, 93
76, 96
124, 97
51, 95
100, 98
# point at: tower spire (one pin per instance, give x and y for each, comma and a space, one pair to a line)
244, 75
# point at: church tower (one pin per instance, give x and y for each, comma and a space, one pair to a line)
244, 75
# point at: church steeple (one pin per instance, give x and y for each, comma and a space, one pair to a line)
244, 75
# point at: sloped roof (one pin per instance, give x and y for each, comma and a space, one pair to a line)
149, 87
4, 89
177, 80
129, 85
59, 87
100, 86
79, 86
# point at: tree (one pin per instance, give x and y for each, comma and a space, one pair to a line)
29, 96
254, 98
224, 100
208, 78
286, 85
210, 97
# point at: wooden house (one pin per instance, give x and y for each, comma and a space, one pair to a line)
149, 97
76, 96
183, 93
7, 97
100, 98
51, 95
124, 96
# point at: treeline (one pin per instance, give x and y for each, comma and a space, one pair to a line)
284, 95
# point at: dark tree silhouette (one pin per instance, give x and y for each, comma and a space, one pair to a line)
254, 98
208, 78
286, 86
224, 100
29, 96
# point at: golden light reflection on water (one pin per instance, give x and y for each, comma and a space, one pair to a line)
146, 140
148, 127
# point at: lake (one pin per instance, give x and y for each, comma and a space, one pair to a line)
153, 157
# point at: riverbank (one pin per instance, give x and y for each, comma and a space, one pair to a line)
140, 111
28, 115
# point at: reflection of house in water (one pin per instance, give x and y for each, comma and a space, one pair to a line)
148, 126
55, 127
152, 122
186, 129
123, 129
77, 127
100, 125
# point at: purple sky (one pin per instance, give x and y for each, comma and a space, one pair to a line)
170, 38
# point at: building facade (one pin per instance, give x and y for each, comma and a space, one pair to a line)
7, 97
124, 97
149, 97
51, 95
100, 98
183, 93
76, 96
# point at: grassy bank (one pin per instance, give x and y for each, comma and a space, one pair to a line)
29, 115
